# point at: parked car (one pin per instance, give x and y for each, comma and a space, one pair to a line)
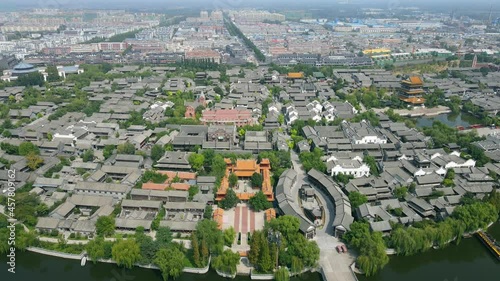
339, 249
344, 248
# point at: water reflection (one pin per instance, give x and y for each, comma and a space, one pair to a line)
451, 119
469, 260
32, 266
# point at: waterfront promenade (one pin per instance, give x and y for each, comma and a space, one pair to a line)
417, 112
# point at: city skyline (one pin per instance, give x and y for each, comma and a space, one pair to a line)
133, 4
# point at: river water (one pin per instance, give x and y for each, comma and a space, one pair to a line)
451, 119
468, 261
36, 267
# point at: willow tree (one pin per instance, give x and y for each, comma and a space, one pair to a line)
282, 274
126, 252
170, 261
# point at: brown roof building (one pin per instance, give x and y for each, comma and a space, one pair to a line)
203, 55
244, 169
227, 116
411, 90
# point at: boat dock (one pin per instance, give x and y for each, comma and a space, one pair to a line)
490, 243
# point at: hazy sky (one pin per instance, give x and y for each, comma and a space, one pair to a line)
278, 4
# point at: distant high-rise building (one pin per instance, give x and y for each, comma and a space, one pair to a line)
216, 15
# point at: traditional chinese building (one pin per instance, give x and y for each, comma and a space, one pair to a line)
295, 75
238, 117
411, 90
244, 169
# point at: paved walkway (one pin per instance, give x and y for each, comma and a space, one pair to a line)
186, 243
55, 253
245, 221
419, 111
483, 131
335, 266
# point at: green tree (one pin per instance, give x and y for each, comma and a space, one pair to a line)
126, 252
196, 161
26, 204
254, 253
26, 148
42, 210
357, 199
208, 212
229, 236
297, 265
193, 190
312, 160
476, 215
208, 230
204, 251
227, 262
281, 119
108, 151
9, 148
7, 124
52, 74
450, 174
147, 245
370, 161
153, 176
401, 192
88, 155
95, 249
233, 180
265, 264
448, 182
282, 274
286, 225
299, 246
170, 260
105, 226
218, 91
31, 79
230, 200
126, 148
494, 199
259, 202
163, 236
218, 166
196, 251
370, 245
33, 161
157, 152
25, 239
256, 180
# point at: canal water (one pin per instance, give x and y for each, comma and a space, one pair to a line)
36, 267
451, 119
468, 261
